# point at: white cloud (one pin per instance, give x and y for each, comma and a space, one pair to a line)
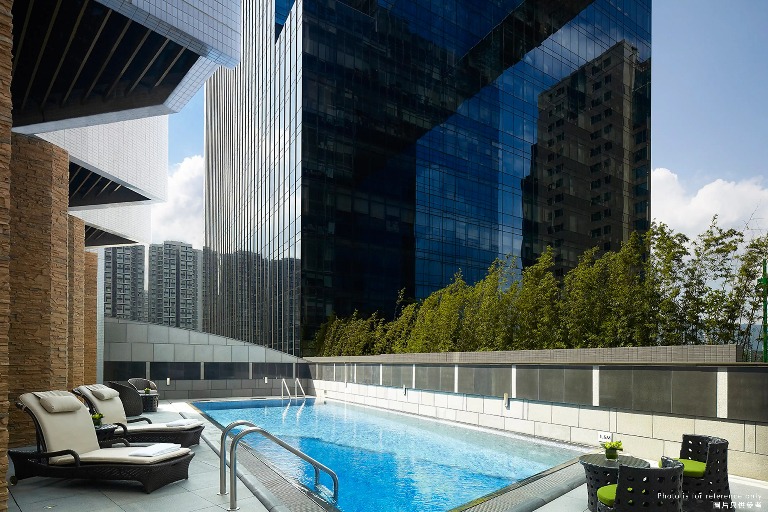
736, 203
181, 217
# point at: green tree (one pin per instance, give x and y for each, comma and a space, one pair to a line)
585, 304
482, 324
632, 295
667, 262
438, 323
535, 302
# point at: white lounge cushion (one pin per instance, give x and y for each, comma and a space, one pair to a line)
72, 430
57, 404
103, 392
120, 455
111, 408
155, 450
184, 422
157, 427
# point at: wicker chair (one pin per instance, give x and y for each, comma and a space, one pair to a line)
97, 399
142, 384
67, 447
713, 489
132, 403
658, 489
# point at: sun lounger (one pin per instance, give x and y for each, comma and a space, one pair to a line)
67, 447
105, 400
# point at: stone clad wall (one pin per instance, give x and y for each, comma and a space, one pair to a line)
75, 302
6, 42
38, 351
90, 293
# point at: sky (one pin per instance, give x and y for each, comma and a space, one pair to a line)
709, 131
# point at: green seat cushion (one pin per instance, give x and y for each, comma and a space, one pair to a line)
692, 468
607, 494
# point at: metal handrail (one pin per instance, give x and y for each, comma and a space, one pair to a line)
256, 430
285, 386
303, 394
223, 454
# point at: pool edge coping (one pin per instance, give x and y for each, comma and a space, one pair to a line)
553, 492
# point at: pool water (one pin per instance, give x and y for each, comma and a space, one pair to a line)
387, 461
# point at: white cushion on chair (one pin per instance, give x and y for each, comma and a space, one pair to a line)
119, 455
57, 404
102, 392
112, 408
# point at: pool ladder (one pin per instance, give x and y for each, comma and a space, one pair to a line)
296, 386
253, 429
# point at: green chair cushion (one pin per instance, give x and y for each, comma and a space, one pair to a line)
692, 468
607, 494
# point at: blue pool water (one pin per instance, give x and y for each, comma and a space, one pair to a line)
387, 461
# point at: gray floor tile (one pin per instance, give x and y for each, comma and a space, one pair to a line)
12, 506
122, 495
250, 504
36, 489
83, 502
185, 502
202, 480
212, 494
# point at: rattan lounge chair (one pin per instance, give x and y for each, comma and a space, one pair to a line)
705, 478
132, 403
657, 489
107, 401
141, 384
67, 447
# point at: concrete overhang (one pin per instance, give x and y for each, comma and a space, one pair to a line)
84, 62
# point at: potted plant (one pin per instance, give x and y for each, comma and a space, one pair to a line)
147, 391
612, 449
96, 417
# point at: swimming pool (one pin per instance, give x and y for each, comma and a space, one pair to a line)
387, 461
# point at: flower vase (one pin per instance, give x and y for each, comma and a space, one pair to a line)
611, 453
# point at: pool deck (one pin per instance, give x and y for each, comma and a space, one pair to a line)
200, 491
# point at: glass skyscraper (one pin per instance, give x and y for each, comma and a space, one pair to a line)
368, 147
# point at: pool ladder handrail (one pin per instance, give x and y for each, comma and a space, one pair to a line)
253, 429
296, 386
303, 394
284, 386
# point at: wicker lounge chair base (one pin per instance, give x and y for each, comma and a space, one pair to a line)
28, 464
185, 438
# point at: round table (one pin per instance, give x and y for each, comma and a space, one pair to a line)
149, 401
601, 471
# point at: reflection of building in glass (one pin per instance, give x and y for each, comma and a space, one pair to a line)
367, 147
590, 183
174, 274
124, 295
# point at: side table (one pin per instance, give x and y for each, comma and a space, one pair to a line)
601, 471
104, 432
149, 402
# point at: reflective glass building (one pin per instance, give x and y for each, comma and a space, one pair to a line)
365, 147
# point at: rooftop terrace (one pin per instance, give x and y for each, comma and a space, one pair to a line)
200, 491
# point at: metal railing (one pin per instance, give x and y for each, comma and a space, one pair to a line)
253, 429
295, 392
284, 387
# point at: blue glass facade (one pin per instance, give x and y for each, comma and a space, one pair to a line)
393, 143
